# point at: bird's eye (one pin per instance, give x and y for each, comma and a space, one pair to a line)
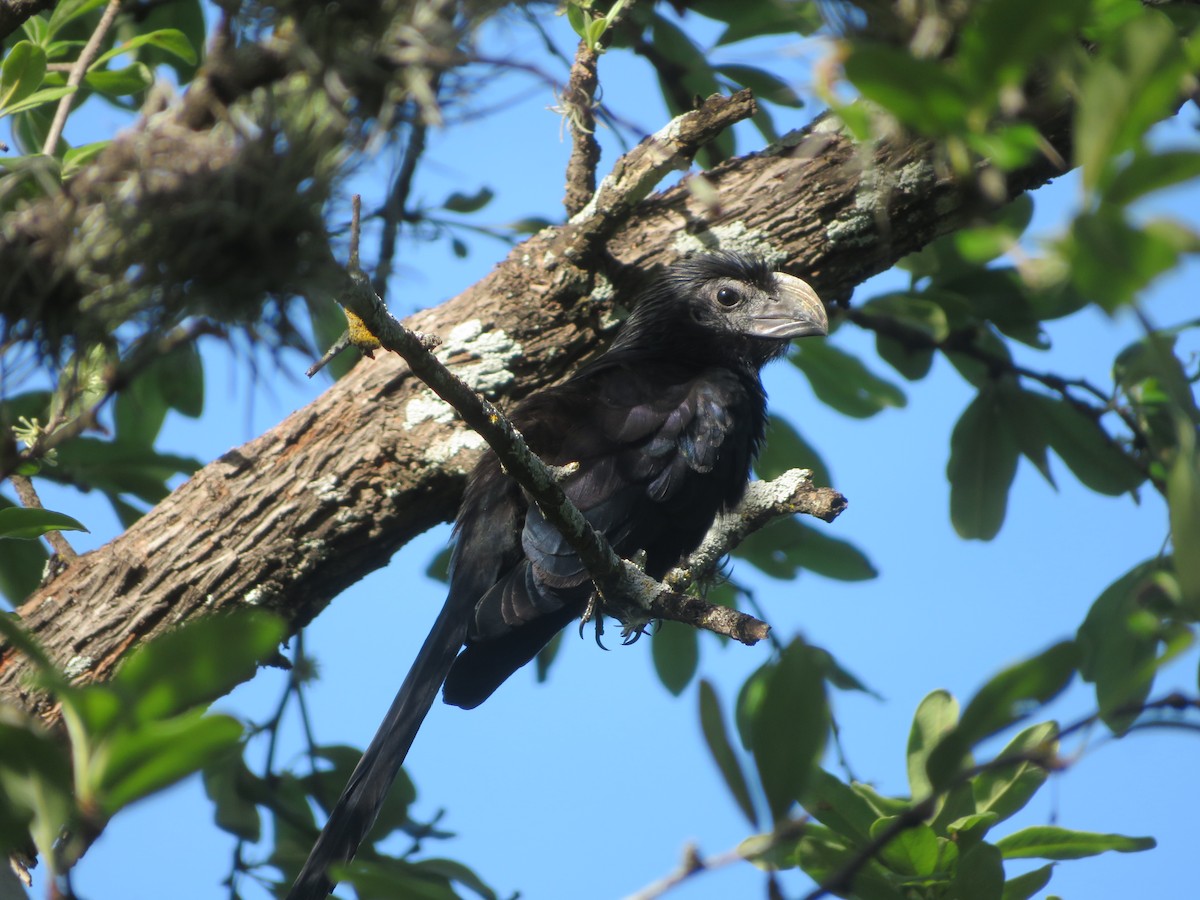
728, 297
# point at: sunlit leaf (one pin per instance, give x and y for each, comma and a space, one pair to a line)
1051, 842
151, 758
1023, 887
169, 40
27, 524
1004, 790
75, 159
918, 92
21, 74
1149, 172
838, 806
1007, 698
132, 79
1133, 83
936, 716
195, 664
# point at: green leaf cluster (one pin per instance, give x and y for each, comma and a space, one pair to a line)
143, 730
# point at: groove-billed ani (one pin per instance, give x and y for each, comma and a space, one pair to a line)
664, 426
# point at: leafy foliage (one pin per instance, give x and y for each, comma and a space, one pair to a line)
119, 350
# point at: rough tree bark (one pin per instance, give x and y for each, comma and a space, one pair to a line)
290, 519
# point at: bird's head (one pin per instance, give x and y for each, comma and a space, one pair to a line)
727, 303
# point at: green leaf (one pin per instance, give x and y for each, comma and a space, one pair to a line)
21, 565
676, 652
1003, 40
1051, 842
1077, 438
914, 312
766, 87
936, 717
912, 852
1023, 887
38, 98
120, 467
983, 462
75, 159
823, 859
83, 381
456, 872
225, 782
762, 17
1008, 697
788, 545
1113, 260
384, 877
181, 379
1117, 644
439, 567
169, 40
1004, 790
712, 722
1025, 420
838, 806
840, 677
790, 727
21, 74
140, 410
919, 92
68, 11
468, 203
195, 664
1183, 500
883, 805
133, 79
24, 524
1150, 172
980, 873
786, 449
983, 243
843, 382
577, 19
140, 762
1132, 84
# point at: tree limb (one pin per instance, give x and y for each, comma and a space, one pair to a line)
293, 517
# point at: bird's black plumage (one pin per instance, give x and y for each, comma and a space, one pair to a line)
664, 426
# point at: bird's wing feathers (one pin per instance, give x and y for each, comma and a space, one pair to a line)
637, 442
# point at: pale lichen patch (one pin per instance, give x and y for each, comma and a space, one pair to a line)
730, 236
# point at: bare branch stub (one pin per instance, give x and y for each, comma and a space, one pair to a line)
578, 101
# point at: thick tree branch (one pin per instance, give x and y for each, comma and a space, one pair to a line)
292, 518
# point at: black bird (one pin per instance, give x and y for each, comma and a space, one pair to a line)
664, 426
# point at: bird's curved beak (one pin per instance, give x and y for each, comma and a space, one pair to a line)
795, 311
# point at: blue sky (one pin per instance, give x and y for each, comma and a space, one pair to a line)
590, 786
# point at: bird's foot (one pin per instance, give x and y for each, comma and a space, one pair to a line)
593, 613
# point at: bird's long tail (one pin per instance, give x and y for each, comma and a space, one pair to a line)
357, 807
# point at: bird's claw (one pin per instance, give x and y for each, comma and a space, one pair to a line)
593, 613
